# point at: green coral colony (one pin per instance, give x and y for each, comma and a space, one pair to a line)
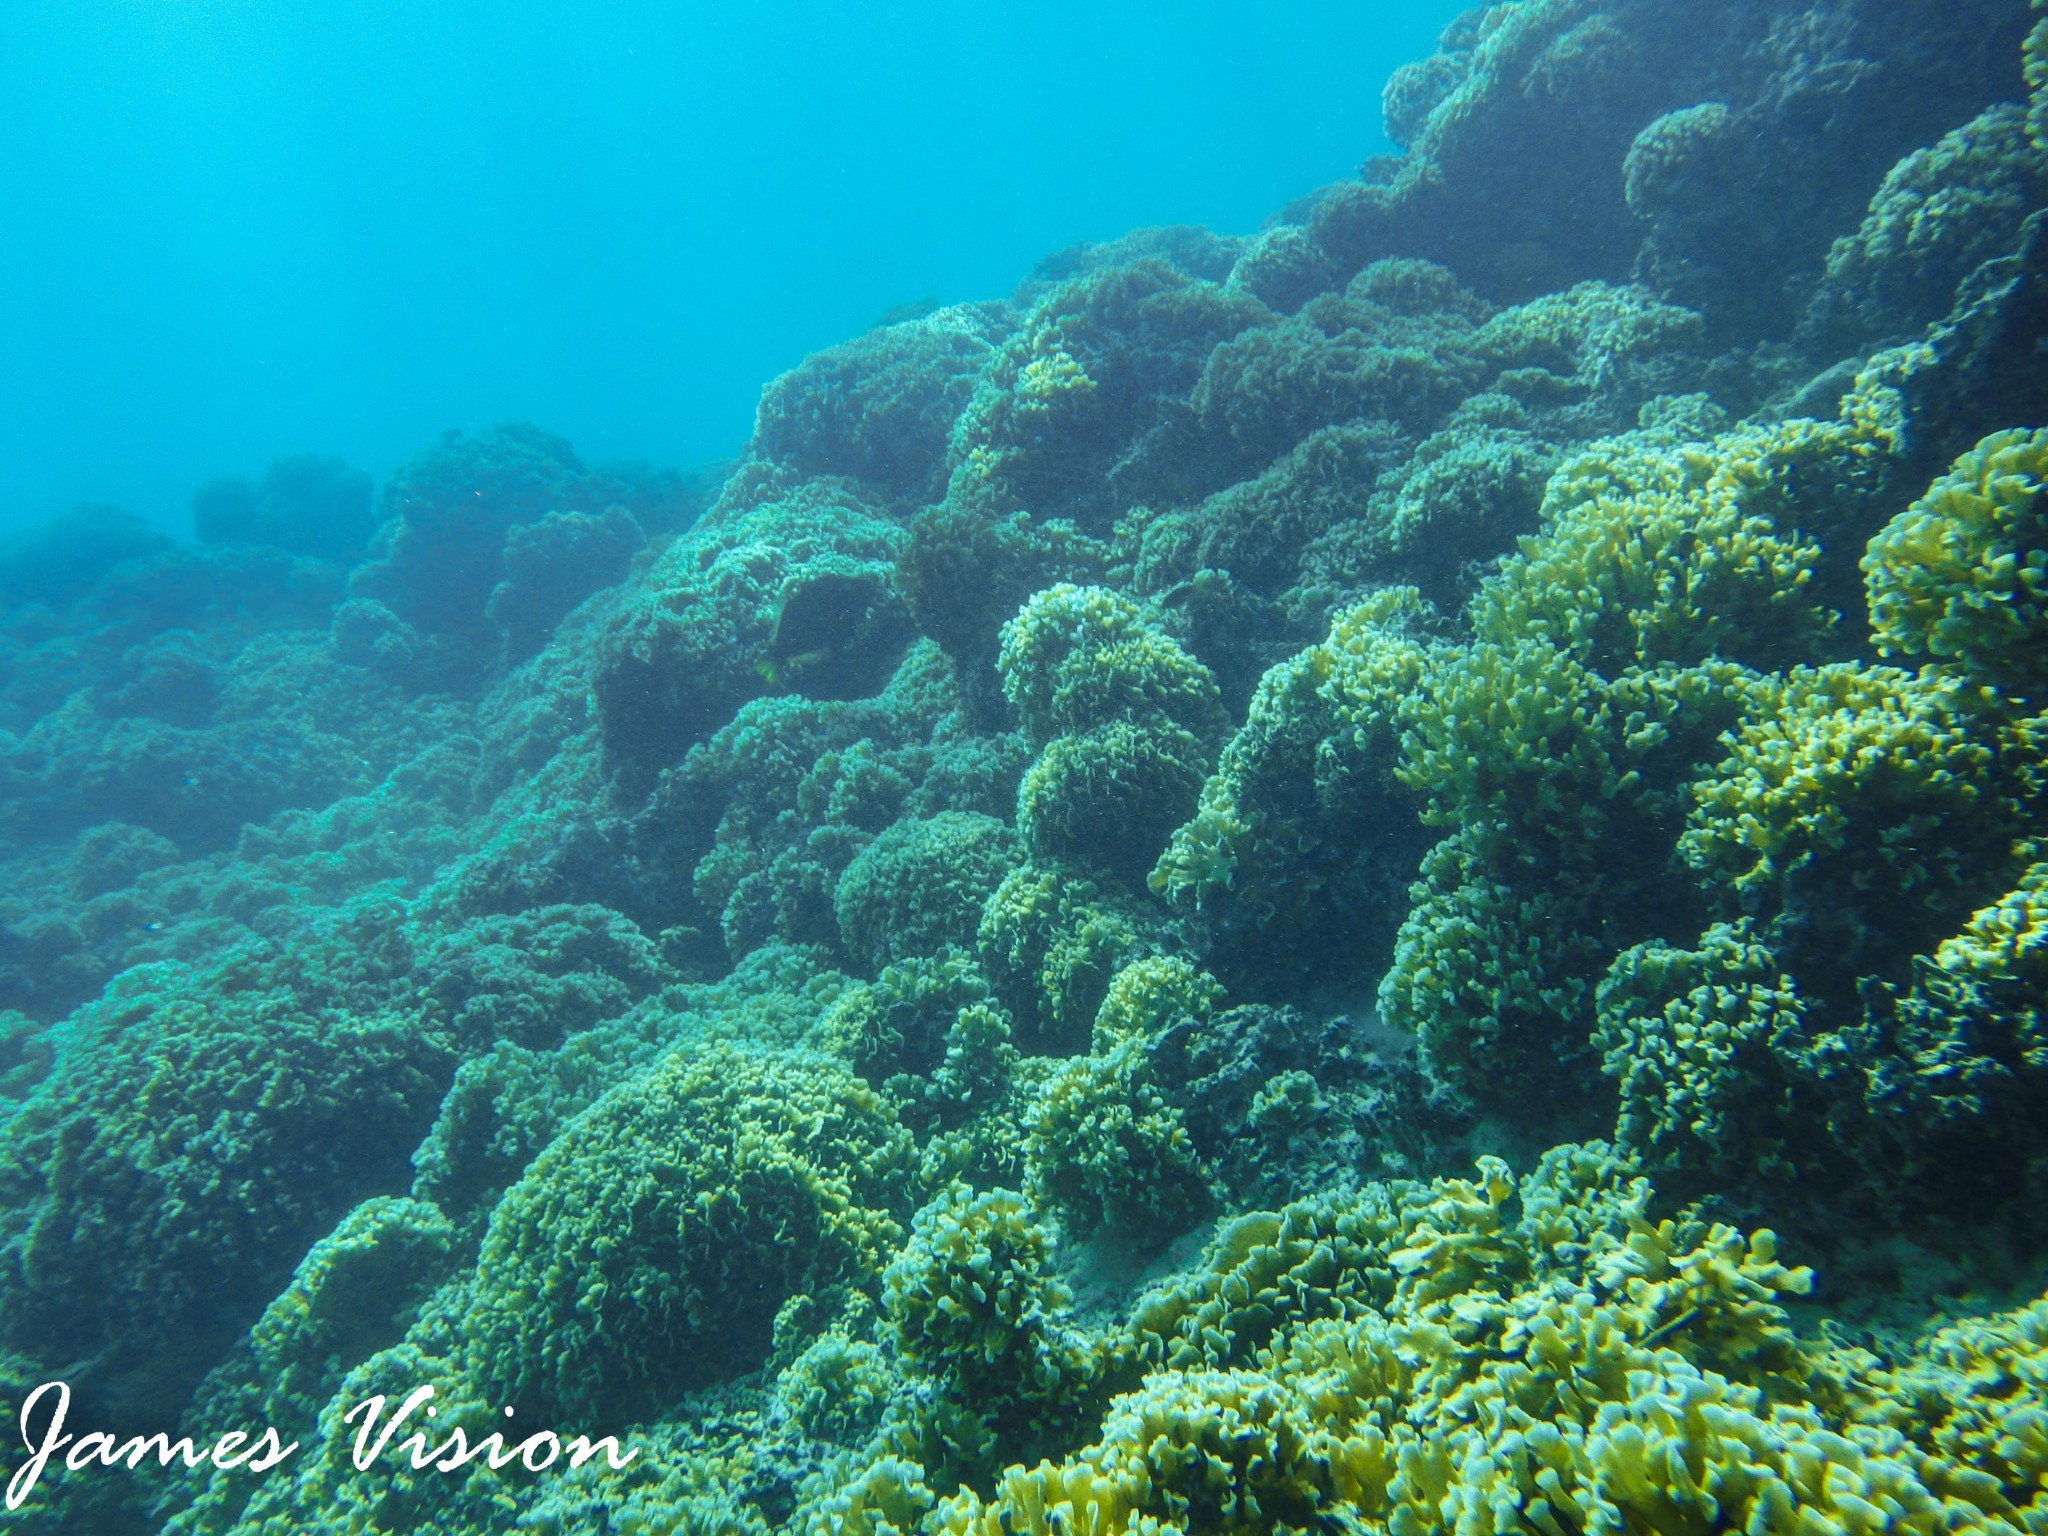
1389, 877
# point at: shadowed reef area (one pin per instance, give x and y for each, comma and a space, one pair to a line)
1390, 876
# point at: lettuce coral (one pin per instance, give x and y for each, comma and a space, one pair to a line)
1472, 1354
1941, 213
198, 1120
2037, 82
881, 410
1852, 797
1108, 1150
714, 627
1256, 529
899, 1026
1962, 574
1077, 657
966, 570
1302, 835
767, 816
1606, 658
1140, 782
1124, 719
719, 1165
1095, 367
58, 561
1052, 941
1689, 1036
1392, 347
553, 564
970, 1303
920, 885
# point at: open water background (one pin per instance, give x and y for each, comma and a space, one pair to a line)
235, 229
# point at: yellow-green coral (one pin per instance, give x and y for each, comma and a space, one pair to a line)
1108, 798
1488, 1356
1107, 1148
648, 1248
1047, 376
838, 1388
1512, 729
895, 1023
1489, 974
1302, 835
1849, 816
1654, 551
888, 1498
1201, 864
1105, 1144
789, 587
1511, 914
920, 885
1921, 1086
2005, 945
1065, 398
1606, 656
1688, 825
1150, 994
1465, 494
1125, 721
200, 1131
1395, 345
971, 1304
1687, 1034
1862, 775
2037, 81
1077, 657
1614, 692
1975, 1398
1962, 574
1972, 1034
971, 1290
1583, 335
1942, 212
1051, 941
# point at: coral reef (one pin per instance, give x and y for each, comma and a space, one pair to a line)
1476, 1354
1124, 721
458, 529
1940, 214
306, 504
193, 1133
999, 979
1962, 574
880, 410
744, 1180
790, 591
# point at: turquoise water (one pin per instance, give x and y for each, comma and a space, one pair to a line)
1162, 773
261, 227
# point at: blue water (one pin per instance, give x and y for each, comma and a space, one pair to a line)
241, 228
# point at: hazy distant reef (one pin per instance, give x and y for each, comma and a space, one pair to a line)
1249, 892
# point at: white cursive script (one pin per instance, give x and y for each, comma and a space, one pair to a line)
107, 1451
237, 1451
537, 1452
